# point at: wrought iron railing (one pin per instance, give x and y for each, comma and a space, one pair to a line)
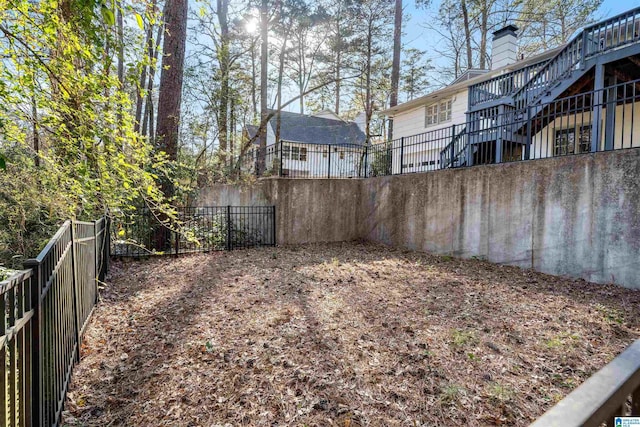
44, 311
193, 229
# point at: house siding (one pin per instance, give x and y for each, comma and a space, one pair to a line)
418, 154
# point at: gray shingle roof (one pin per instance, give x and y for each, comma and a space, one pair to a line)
314, 130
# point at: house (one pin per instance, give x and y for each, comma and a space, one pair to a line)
579, 97
318, 145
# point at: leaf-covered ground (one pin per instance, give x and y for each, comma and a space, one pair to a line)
340, 334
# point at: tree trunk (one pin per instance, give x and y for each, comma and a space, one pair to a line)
36, 132
120, 42
395, 67
338, 70
368, 102
223, 59
280, 77
264, 52
171, 78
148, 44
147, 121
467, 35
254, 73
484, 19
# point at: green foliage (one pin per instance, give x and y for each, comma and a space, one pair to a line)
66, 132
5, 273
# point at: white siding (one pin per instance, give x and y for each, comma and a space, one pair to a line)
411, 122
423, 153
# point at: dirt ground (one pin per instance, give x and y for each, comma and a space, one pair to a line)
340, 335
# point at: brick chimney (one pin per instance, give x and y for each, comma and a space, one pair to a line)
505, 49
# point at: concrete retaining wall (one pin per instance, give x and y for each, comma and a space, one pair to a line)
308, 210
577, 215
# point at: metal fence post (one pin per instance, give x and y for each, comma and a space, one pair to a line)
229, 245
401, 154
527, 147
452, 152
106, 248
281, 158
329, 158
36, 342
584, 50
366, 160
274, 224
177, 243
74, 286
96, 252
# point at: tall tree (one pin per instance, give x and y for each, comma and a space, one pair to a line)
395, 66
171, 78
550, 23
264, 70
376, 18
414, 77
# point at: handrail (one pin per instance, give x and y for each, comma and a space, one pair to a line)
603, 395
503, 85
44, 252
447, 149
575, 53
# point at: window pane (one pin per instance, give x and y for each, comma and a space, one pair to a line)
303, 154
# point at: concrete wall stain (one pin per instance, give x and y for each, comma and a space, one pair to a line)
577, 215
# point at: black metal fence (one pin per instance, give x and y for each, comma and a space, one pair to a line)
45, 309
293, 159
194, 229
588, 122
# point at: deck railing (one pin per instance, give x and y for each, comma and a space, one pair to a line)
45, 309
603, 36
502, 86
612, 392
588, 122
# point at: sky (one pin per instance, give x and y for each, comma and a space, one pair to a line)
417, 36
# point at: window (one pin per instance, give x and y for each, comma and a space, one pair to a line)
341, 154
445, 111
325, 152
294, 153
584, 142
438, 113
565, 142
431, 116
